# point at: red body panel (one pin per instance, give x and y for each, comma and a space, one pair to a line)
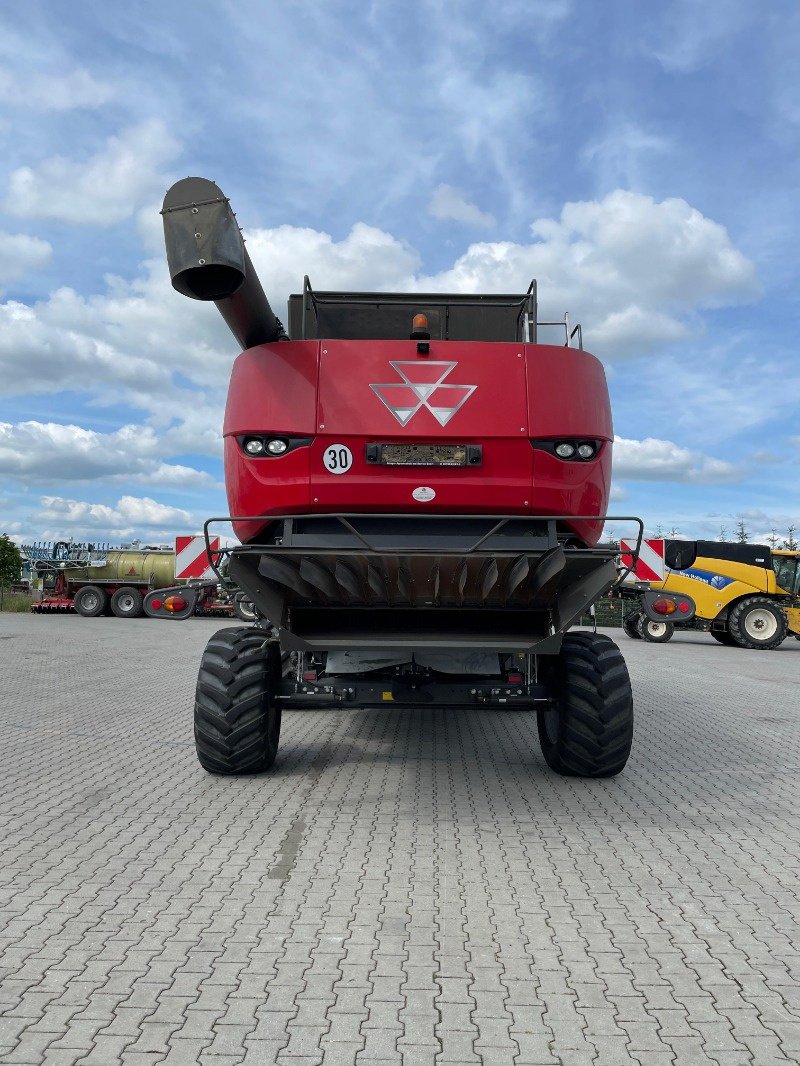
496, 372
567, 393
274, 388
351, 393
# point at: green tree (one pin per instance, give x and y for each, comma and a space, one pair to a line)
741, 532
791, 541
10, 563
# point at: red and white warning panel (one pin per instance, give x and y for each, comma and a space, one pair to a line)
191, 560
650, 564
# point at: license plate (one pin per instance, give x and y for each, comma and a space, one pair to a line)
423, 454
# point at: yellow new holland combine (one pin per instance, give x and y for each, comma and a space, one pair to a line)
747, 595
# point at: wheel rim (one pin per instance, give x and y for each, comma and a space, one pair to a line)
656, 629
248, 609
91, 601
760, 624
125, 603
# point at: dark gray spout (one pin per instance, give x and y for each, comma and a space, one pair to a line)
208, 260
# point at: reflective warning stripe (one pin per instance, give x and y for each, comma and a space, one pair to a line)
650, 564
190, 557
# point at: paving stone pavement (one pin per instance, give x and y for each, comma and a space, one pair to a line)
406, 886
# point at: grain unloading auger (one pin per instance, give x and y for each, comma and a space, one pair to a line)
419, 487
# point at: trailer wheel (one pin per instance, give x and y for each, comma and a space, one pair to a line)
655, 632
127, 603
631, 625
237, 719
758, 623
244, 609
590, 730
723, 636
90, 601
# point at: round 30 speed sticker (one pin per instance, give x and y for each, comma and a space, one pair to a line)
337, 458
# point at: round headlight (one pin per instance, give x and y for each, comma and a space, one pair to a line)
254, 446
565, 450
277, 447
585, 450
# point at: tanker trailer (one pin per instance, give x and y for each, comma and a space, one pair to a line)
95, 580
419, 485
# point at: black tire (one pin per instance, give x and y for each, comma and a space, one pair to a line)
244, 609
237, 720
90, 601
127, 603
631, 625
758, 624
723, 636
655, 632
590, 731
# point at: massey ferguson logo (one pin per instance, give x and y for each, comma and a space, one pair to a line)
423, 385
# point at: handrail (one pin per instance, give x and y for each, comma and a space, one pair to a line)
527, 317
344, 518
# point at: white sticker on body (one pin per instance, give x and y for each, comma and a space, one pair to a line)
424, 494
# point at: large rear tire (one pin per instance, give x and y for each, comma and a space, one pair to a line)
590, 731
237, 719
758, 624
90, 601
655, 632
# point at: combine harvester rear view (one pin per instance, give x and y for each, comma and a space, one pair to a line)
419, 487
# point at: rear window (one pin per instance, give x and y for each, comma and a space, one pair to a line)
679, 554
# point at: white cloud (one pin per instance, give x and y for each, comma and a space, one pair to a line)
663, 460
367, 259
448, 202
20, 254
102, 190
53, 92
126, 515
637, 272
634, 270
37, 451
174, 475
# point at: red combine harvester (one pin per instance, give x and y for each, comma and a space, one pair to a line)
419, 487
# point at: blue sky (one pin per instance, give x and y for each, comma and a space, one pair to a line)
640, 160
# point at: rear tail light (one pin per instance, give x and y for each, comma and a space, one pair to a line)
575, 450
175, 603
665, 606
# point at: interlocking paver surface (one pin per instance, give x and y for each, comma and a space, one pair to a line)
407, 886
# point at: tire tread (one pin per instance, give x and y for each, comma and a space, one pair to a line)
236, 718
596, 709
